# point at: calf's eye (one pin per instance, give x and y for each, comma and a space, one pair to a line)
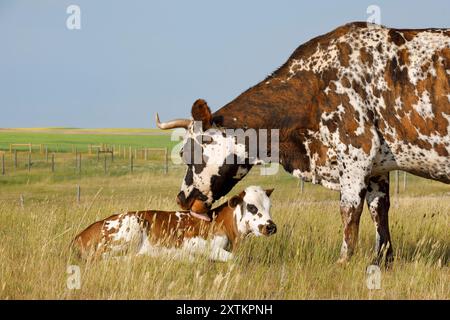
252, 208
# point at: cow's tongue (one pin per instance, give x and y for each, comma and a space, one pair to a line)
202, 216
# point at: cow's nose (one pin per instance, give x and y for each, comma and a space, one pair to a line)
271, 228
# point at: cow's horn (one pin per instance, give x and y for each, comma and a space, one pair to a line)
177, 123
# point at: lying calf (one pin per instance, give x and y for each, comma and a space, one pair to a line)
157, 232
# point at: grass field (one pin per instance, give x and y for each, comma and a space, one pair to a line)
296, 263
63, 139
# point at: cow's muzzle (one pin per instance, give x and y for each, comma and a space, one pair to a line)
269, 228
192, 204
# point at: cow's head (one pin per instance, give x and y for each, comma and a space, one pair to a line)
215, 161
252, 211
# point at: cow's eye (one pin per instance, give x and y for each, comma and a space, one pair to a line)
252, 208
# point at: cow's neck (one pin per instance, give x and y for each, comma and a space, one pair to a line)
263, 107
225, 224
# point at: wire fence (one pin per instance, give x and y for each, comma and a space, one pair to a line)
25, 158
107, 159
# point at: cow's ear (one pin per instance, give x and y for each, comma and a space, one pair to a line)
236, 200
201, 112
269, 192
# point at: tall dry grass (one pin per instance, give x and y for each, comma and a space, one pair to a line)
296, 263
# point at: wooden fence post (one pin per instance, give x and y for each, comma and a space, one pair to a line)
404, 180
397, 178
22, 201
53, 162
79, 163
131, 162
29, 161
78, 193
3, 164
166, 161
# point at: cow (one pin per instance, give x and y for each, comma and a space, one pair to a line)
351, 106
177, 233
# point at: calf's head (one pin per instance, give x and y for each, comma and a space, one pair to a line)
252, 211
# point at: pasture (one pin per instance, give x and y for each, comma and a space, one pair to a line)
299, 262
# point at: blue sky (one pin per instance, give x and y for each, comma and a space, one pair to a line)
133, 58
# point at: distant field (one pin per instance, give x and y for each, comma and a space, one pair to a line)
63, 139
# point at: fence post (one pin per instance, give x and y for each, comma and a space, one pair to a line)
112, 155
78, 193
3, 164
79, 163
397, 188
15, 159
29, 161
166, 160
404, 180
131, 162
22, 201
53, 162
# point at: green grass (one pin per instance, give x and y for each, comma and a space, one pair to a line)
62, 141
296, 263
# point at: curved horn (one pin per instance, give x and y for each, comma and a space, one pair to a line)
177, 123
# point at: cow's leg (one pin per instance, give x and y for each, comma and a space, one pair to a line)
378, 202
350, 214
353, 185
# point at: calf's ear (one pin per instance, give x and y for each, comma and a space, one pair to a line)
269, 192
201, 112
236, 200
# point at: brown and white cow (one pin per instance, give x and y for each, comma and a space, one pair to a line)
351, 106
177, 233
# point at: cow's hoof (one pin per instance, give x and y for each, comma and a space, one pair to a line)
384, 262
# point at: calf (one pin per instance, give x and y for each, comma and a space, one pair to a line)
158, 232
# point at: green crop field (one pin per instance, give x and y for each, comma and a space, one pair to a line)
63, 139
40, 215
